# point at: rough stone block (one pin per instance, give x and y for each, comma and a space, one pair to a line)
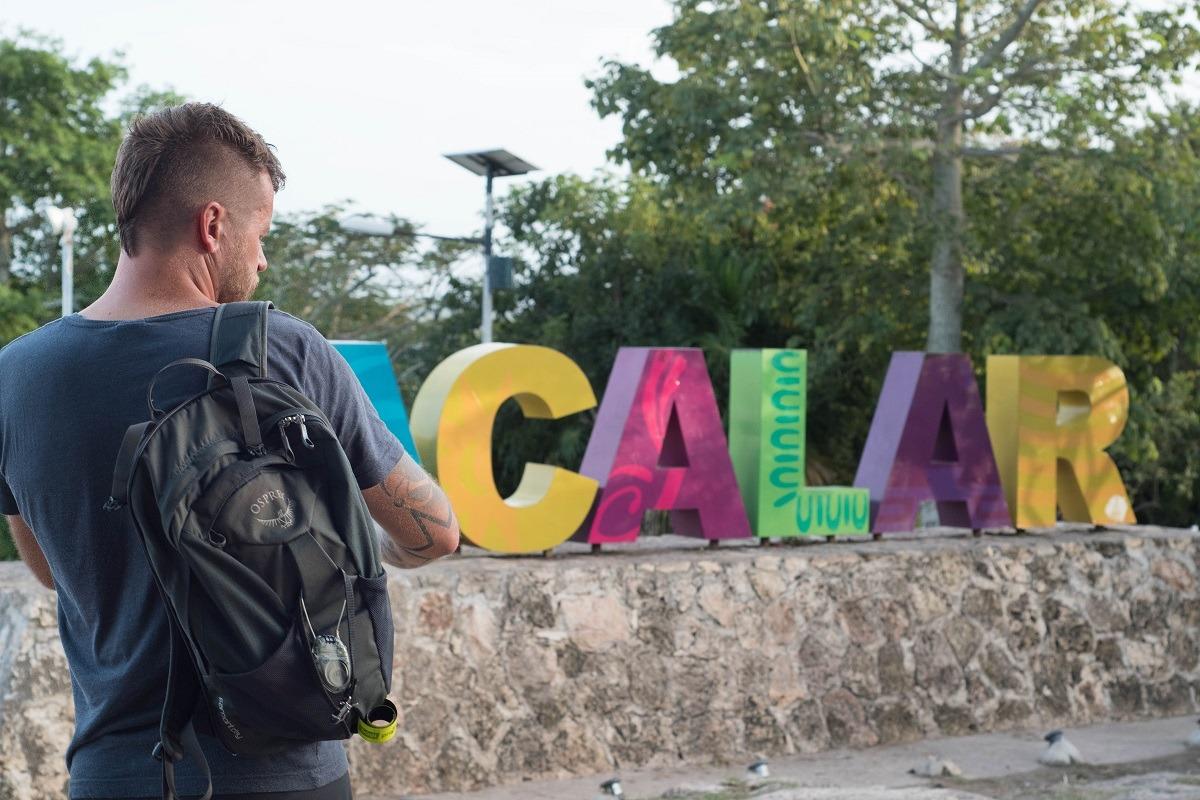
522, 668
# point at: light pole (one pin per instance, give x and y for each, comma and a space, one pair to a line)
62, 220
490, 164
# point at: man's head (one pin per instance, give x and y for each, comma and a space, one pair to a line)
194, 178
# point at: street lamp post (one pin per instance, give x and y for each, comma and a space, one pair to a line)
62, 220
490, 164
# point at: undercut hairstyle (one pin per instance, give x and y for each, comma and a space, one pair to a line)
175, 160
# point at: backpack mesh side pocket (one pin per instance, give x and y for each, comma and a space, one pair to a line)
375, 598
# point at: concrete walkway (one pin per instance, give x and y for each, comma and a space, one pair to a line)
993, 765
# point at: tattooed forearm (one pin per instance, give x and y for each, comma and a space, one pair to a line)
425, 520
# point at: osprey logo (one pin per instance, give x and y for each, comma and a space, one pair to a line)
279, 503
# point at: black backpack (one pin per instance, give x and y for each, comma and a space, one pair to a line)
266, 558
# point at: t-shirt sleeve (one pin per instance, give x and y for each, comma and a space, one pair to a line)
8, 503
372, 449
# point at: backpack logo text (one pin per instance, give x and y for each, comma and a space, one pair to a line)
275, 499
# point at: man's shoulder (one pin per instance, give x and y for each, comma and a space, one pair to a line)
294, 342
289, 331
285, 324
29, 343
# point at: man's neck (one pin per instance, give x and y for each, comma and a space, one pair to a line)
111, 309
138, 290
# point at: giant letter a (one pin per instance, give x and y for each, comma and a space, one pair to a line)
658, 443
929, 441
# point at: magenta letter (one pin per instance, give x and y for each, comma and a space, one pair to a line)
658, 443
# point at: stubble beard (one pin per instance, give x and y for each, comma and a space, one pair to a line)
236, 283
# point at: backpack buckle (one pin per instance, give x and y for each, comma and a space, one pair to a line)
343, 711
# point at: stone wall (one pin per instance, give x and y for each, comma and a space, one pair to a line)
520, 668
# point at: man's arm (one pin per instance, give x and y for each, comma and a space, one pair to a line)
29, 550
415, 513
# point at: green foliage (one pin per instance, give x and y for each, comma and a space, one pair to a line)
56, 145
1092, 254
770, 82
769, 89
54, 134
340, 282
20, 312
58, 140
351, 286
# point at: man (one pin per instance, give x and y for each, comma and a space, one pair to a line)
193, 189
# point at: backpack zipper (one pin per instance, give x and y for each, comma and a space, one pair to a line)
294, 419
297, 419
149, 434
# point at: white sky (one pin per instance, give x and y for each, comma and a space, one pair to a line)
361, 99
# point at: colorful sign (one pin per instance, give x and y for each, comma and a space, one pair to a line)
1050, 418
373, 368
768, 405
929, 441
658, 443
452, 423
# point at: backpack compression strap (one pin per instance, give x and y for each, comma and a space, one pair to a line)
238, 345
177, 736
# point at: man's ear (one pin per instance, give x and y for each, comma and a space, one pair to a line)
210, 221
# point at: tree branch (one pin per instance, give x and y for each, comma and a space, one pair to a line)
926, 23
940, 73
1009, 36
845, 148
804, 68
991, 99
1010, 151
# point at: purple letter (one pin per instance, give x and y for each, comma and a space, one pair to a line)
929, 441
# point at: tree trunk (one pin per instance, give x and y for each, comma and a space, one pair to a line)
946, 263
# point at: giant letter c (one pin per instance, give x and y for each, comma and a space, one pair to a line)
452, 421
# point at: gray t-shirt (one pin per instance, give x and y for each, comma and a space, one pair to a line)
68, 391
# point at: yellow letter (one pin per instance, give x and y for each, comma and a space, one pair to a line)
452, 423
1050, 418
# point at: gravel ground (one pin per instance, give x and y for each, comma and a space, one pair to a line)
1175, 777
1143, 760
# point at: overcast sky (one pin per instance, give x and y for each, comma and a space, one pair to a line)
361, 98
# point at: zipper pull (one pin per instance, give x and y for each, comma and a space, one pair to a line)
304, 434
287, 446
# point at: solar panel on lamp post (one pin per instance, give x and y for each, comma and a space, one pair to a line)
490, 164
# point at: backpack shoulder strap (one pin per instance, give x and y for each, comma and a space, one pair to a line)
176, 733
119, 495
238, 345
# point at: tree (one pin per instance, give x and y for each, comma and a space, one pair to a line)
1094, 254
59, 138
351, 286
56, 140
766, 86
